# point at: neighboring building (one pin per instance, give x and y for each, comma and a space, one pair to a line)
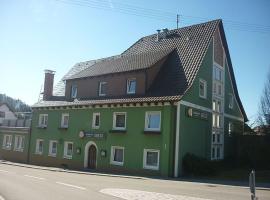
6, 113
140, 112
14, 140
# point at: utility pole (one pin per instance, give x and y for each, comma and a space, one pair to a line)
177, 21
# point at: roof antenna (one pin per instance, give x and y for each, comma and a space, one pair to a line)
177, 20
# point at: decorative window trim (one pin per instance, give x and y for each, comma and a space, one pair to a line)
145, 166
94, 121
21, 140
231, 100
37, 147
99, 88
41, 120
7, 144
146, 122
204, 82
73, 93
128, 83
66, 143
114, 121
112, 155
50, 148
63, 120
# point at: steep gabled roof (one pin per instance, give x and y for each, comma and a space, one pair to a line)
123, 63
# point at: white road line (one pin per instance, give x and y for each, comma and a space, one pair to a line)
2, 198
69, 185
35, 177
4, 171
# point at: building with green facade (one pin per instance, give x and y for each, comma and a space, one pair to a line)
141, 112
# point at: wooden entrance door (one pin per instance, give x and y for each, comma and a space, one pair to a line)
92, 156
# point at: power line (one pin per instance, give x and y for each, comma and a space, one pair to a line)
155, 14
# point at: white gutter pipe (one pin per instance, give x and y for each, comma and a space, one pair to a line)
176, 153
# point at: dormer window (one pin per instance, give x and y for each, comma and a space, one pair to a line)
102, 88
131, 86
74, 90
203, 89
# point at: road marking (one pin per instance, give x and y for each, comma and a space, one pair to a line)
144, 195
4, 172
69, 185
2, 198
35, 177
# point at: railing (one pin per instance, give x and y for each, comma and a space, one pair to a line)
16, 123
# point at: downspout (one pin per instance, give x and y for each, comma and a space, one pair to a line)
176, 153
29, 141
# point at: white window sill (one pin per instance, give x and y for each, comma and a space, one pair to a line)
151, 167
117, 163
19, 150
52, 155
152, 129
38, 153
119, 129
95, 127
68, 157
6, 148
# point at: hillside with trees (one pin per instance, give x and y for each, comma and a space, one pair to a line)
15, 104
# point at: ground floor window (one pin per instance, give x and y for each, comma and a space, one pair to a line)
151, 159
117, 155
68, 150
53, 148
217, 152
7, 142
19, 143
39, 146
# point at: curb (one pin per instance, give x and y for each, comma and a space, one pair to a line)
68, 171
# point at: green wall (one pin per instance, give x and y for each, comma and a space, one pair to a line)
134, 140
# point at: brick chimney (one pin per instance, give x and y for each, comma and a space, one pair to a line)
48, 84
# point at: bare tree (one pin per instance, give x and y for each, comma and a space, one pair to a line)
264, 108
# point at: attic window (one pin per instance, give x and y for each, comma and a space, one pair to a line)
102, 88
131, 86
2, 114
203, 89
74, 90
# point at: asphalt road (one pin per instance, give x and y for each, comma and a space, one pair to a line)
20, 183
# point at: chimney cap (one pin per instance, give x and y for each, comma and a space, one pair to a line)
48, 71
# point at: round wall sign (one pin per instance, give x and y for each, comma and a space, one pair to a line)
81, 134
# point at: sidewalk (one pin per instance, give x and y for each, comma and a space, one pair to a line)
55, 169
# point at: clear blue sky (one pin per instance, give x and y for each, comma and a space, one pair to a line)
39, 34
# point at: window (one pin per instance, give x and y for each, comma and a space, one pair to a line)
64, 120
219, 89
131, 86
74, 91
217, 105
218, 73
7, 142
152, 120
43, 120
53, 148
230, 128
102, 88
119, 120
216, 121
231, 101
96, 120
68, 150
217, 152
19, 143
151, 159
39, 146
203, 89
2, 114
117, 155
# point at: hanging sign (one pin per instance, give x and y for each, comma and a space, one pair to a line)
92, 134
198, 114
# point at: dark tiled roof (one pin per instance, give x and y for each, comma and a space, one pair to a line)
106, 101
59, 89
123, 63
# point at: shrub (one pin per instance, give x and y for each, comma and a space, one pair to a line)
197, 166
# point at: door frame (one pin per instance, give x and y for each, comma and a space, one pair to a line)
86, 152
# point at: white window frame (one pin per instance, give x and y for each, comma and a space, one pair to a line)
7, 142
114, 120
147, 113
94, 121
99, 88
145, 166
204, 82
63, 120
231, 100
230, 128
19, 141
51, 148
37, 146
74, 92
112, 161
66, 143
42, 122
128, 83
